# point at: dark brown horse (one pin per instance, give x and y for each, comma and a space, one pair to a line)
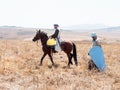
67, 47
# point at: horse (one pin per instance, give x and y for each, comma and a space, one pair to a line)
67, 47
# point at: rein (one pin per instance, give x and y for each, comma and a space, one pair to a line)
37, 43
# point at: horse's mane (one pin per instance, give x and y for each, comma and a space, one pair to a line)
43, 33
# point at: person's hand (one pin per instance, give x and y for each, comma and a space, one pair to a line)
50, 37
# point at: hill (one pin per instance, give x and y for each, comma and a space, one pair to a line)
106, 33
86, 27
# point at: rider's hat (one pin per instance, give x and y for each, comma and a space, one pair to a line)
56, 25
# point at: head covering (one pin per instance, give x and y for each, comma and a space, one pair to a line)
56, 25
93, 34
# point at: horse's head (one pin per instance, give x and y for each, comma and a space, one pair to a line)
37, 36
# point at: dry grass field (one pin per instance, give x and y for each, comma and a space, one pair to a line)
20, 70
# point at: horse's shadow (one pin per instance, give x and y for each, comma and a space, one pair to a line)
55, 66
66, 67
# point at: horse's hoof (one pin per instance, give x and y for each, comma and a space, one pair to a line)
64, 67
37, 67
71, 63
49, 66
55, 65
40, 64
68, 67
76, 64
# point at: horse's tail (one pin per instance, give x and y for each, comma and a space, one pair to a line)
75, 54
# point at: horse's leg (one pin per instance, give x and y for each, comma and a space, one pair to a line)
69, 60
51, 58
71, 55
42, 59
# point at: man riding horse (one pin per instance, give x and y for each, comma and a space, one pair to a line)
67, 47
56, 36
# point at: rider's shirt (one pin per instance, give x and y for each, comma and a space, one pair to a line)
56, 34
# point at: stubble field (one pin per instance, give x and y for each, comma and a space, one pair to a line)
20, 70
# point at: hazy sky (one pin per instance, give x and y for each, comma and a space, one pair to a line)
44, 13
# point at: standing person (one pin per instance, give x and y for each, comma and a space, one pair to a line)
56, 36
95, 42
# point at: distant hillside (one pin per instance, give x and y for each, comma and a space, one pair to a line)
86, 27
14, 32
112, 29
6, 26
106, 33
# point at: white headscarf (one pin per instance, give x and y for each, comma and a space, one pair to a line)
93, 34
